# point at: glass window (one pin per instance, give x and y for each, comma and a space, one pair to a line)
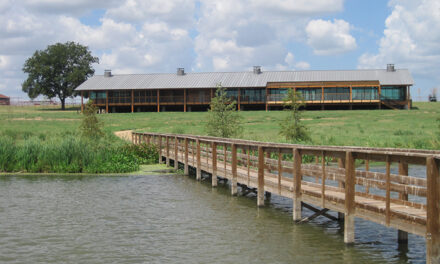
392, 93
364, 93
337, 93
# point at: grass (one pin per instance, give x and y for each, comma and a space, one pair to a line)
417, 128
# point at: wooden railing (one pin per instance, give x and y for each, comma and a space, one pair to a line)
369, 183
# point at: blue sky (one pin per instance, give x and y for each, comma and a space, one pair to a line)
134, 36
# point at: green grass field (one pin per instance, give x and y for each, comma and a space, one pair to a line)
417, 128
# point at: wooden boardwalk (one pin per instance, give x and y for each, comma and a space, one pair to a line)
329, 177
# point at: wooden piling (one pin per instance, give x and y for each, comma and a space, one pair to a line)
433, 211
199, 164
349, 198
260, 194
176, 152
214, 165
168, 151
185, 166
402, 236
234, 169
160, 149
297, 178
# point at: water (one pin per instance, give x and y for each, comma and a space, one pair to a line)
172, 219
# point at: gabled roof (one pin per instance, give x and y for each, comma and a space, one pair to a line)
239, 79
4, 96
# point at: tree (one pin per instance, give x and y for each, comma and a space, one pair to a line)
58, 70
223, 119
291, 127
90, 124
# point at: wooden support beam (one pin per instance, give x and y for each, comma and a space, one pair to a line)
184, 100
132, 100
341, 164
248, 166
176, 152
310, 218
158, 100
185, 166
297, 178
266, 96
260, 195
199, 163
402, 236
433, 211
349, 198
234, 169
323, 180
168, 151
239, 99
313, 209
214, 164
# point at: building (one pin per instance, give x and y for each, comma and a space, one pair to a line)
4, 100
253, 90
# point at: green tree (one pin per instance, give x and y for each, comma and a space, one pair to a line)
291, 127
58, 70
223, 119
90, 126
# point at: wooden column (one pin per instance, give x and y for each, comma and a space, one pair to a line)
160, 149
409, 97
185, 165
158, 100
82, 102
106, 102
184, 100
214, 164
402, 236
280, 170
351, 93
341, 164
168, 151
132, 100
267, 106
198, 169
349, 198
322, 94
433, 211
260, 194
176, 151
234, 169
297, 178
239, 99
380, 100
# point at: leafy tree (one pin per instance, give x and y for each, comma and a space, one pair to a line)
291, 127
58, 70
91, 127
223, 119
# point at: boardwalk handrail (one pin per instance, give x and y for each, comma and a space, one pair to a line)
307, 174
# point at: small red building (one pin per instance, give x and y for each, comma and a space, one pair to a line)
4, 100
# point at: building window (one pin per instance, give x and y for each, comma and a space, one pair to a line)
393, 93
277, 94
310, 94
252, 95
365, 93
337, 93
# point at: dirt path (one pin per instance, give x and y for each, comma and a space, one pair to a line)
124, 134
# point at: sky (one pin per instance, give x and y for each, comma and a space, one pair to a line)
157, 36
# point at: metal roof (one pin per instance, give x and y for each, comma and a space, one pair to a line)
239, 79
4, 96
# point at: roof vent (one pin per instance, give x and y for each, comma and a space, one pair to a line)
180, 71
390, 68
257, 69
107, 73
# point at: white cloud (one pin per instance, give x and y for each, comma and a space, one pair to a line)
410, 40
330, 38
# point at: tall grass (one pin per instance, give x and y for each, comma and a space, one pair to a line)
72, 154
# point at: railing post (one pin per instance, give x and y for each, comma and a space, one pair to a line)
234, 169
132, 137
160, 149
349, 198
280, 170
176, 152
297, 178
402, 236
168, 151
433, 211
214, 164
260, 194
199, 169
341, 164
185, 166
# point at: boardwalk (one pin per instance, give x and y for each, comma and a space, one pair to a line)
332, 178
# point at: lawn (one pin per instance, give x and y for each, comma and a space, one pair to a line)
417, 128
